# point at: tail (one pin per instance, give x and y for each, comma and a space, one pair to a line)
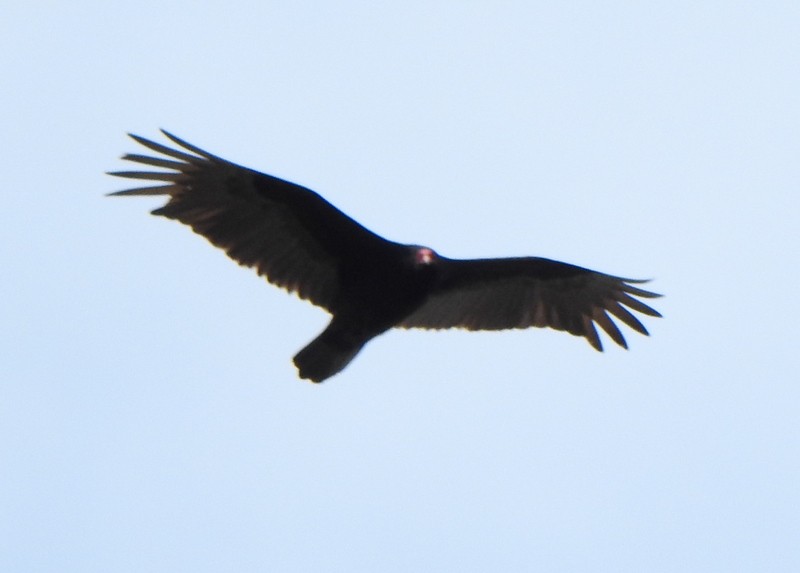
326, 355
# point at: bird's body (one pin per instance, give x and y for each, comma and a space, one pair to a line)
372, 299
302, 243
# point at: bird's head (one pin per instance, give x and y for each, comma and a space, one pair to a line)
423, 256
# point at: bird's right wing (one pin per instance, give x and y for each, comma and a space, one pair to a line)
498, 294
288, 233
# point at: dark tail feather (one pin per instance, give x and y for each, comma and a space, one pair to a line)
326, 355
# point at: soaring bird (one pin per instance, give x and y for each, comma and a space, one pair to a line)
300, 242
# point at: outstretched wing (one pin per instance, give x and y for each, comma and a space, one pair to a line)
288, 233
498, 294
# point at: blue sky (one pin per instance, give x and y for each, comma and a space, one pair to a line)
150, 417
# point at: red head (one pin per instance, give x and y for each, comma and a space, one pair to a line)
424, 256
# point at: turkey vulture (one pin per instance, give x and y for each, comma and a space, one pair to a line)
300, 242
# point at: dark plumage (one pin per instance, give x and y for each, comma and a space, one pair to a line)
302, 243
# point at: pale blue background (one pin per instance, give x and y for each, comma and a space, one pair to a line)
150, 417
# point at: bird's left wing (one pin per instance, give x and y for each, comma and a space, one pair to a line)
288, 233
498, 294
